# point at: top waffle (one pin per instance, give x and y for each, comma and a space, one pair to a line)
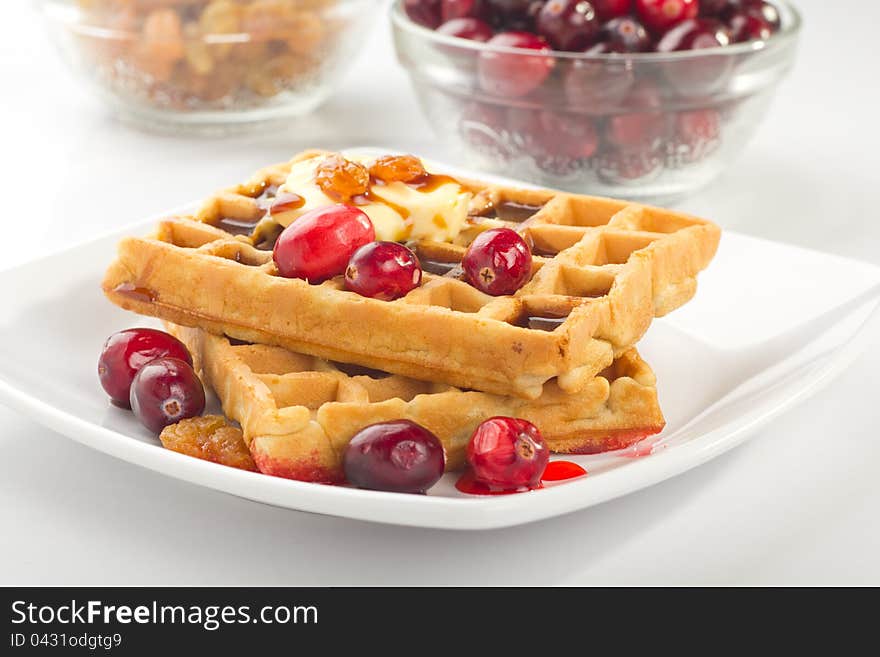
602, 270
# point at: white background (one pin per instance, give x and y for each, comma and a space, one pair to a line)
796, 505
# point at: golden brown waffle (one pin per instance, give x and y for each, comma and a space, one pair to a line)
299, 412
602, 270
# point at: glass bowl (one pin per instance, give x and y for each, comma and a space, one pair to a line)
645, 126
209, 65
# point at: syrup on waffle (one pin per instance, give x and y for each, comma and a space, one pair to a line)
602, 269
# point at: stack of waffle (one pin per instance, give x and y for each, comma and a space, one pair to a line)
303, 367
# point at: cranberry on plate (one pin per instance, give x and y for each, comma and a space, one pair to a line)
514, 75
319, 244
399, 456
498, 262
508, 454
165, 391
383, 270
126, 352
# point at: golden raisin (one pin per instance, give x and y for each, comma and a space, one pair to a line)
162, 34
211, 438
341, 179
218, 18
275, 75
197, 53
397, 168
221, 17
305, 33
268, 19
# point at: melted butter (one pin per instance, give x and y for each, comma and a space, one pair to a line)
370, 198
431, 207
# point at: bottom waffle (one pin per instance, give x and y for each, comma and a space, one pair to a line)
299, 412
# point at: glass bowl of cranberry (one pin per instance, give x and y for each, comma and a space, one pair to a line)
209, 65
647, 99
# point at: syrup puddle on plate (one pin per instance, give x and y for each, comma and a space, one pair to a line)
555, 471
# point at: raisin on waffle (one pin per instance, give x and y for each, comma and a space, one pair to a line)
298, 412
602, 269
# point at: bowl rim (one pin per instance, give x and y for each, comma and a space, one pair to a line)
66, 12
791, 27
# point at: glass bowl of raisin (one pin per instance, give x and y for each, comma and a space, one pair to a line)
645, 99
209, 65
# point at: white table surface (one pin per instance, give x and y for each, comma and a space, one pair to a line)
798, 504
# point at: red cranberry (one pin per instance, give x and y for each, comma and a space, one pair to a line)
514, 75
696, 134
481, 125
700, 76
568, 135
165, 391
423, 12
525, 127
764, 10
508, 453
319, 244
716, 8
383, 270
748, 26
660, 15
556, 140
695, 126
626, 35
597, 86
643, 127
513, 14
694, 34
466, 28
498, 262
399, 456
635, 129
450, 9
608, 9
568, 24
125, 352
626, 165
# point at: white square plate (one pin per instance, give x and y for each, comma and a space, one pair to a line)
770, 325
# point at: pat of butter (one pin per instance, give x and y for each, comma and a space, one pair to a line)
399, 212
